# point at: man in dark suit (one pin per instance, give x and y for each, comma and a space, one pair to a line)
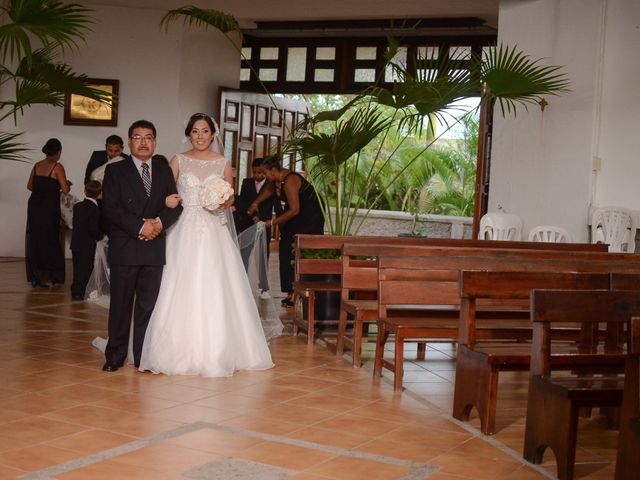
134, 193
249, 191
113, 148
84, 235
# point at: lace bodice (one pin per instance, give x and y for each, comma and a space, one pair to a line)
193, 175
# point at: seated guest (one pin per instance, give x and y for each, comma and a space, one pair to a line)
86, 232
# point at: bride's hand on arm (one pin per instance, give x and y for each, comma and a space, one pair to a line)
172, 201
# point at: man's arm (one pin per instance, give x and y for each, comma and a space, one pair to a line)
168, 216
112, 207
265, 193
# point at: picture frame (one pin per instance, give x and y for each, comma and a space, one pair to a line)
81, 110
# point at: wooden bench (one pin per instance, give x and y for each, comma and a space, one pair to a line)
554, 400
478, 365
440, 283
308, 271
359, 276
628, 458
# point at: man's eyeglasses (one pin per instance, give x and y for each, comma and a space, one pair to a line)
140, 138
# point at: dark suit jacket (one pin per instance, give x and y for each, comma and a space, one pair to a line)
98, 158
248, 195
125, 204
86, 226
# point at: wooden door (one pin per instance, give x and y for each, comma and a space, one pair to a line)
253, 125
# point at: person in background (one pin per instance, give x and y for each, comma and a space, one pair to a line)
84, 235
44, 255
249, 191
113, 149
302, 214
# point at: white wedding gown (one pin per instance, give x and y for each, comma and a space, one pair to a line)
205, 321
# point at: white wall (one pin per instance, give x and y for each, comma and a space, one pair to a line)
542, 162
164, 77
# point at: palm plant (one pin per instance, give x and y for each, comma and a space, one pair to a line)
37, 33
334, 142
506, 77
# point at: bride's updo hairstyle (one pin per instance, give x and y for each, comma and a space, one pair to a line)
200, 116
52, 147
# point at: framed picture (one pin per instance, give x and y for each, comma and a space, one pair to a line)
80, 110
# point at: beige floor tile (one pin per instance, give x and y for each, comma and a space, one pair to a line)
91, 441
169, 459
347, 468
340, 439
8, 473
111, 470
215, 441
359, 425
285, 456
36, 457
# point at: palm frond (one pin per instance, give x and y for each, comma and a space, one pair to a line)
201, 17
512, 78
53, 23
43, 82
10, 149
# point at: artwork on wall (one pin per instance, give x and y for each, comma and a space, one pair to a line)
80, 110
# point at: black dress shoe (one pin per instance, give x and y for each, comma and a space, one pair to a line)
77, 297
38, 284
110, 367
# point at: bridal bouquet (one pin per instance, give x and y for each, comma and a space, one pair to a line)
214, 193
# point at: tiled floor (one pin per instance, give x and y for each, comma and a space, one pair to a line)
311, 417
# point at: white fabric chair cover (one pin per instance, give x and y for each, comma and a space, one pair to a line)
615, 226
549, 233
500, 226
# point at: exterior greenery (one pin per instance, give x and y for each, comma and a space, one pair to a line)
359, 155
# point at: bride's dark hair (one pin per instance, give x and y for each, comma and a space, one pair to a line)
200, 116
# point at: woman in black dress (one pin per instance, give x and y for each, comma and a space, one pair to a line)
44, 254
302, 214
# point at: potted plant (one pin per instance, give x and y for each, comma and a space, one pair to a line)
345, 144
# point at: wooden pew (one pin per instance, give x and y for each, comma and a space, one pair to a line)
628, 458
307, 270
478, 364
441, 278
554, 400
359, 275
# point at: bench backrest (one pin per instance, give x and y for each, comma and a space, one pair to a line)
476, 286
336, 242
584, 307
358, 274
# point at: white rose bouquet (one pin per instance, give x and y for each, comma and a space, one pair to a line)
214, 193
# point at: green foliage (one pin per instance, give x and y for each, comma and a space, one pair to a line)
363, 156
36, 34
201, 17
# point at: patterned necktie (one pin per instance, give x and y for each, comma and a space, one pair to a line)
146, 178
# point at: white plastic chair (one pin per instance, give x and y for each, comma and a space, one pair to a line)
500, 226
615, 226
550, 234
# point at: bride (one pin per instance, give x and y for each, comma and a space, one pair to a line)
205, 320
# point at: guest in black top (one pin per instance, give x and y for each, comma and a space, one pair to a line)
113, 149
44, 252
302, 214
86, 232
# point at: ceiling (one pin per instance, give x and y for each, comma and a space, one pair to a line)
249, 11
